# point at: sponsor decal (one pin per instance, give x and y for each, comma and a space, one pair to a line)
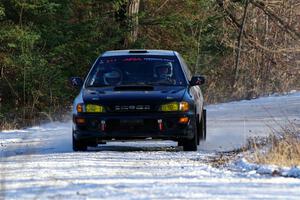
132, 107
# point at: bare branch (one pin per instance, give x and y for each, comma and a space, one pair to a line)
285, 26
162, 5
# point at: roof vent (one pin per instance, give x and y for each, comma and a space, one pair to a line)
138, 51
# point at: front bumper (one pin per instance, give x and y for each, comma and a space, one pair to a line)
131, 126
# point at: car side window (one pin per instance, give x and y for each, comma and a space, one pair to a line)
185, 68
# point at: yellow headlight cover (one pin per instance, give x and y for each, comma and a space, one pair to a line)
94, 108
174, 106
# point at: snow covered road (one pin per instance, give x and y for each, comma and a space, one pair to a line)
38, 163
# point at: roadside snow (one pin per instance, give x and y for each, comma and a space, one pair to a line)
231, 124
272, 170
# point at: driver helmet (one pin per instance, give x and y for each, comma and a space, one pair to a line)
163, 70
113, 77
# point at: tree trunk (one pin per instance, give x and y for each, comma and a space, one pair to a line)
133, 20
238, 54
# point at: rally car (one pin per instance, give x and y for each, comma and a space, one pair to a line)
139, 94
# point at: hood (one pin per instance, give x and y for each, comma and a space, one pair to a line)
111, 95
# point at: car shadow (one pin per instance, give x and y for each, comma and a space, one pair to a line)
110, 147
125, 148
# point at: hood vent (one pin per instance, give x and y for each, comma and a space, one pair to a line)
134, 88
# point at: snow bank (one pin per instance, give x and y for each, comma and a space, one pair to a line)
273, 170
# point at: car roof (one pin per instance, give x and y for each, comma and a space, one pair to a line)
130, 52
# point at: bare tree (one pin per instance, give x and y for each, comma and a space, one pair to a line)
266, 50
240, 37
127, 15
133, 7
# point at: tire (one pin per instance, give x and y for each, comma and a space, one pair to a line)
180, 143
92, 144
202, 127
199, 130
204, 124
78, 145
191, 144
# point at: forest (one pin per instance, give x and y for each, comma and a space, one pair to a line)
245, 48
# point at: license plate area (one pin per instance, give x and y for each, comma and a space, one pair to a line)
131, 122
132, 125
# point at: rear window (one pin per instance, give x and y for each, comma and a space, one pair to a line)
136, 70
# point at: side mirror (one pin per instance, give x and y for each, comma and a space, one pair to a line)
76, 82
197, 80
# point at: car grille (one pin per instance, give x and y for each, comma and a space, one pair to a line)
130, 125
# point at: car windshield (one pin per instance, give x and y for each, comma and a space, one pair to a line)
136, 70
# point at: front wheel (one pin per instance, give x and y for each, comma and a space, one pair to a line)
191, 144
204, 124
201, 128
78, 145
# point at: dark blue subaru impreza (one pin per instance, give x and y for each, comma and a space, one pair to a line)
139, 94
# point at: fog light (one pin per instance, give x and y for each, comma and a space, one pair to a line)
79, 120
184, 120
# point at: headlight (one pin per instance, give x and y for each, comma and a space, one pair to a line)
94, 108
90, 108
175, 106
